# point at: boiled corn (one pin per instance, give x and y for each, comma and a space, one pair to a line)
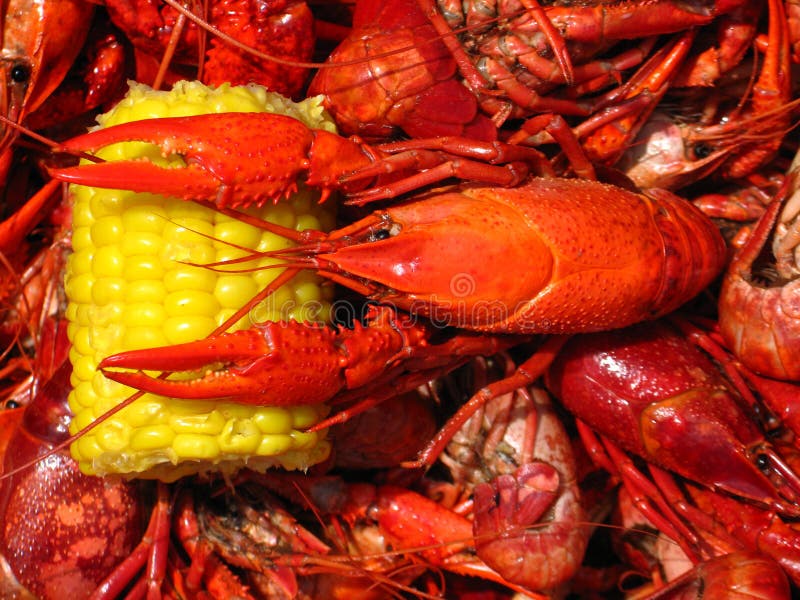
129, 286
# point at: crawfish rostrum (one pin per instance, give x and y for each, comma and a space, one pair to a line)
556, 356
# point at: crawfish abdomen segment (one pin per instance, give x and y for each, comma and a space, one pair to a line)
551, 256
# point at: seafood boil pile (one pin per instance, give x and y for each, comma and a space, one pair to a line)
400, 299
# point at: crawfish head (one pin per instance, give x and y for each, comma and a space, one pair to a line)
654, 394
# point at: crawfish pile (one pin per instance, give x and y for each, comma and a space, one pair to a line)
549, 348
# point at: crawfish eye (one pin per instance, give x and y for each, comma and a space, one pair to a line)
763, 462
702, 151
19, 73
391, 230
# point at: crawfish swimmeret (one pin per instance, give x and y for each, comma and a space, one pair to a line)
130, 286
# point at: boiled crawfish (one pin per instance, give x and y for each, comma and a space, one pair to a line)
243, 32
380, 228
503, 56
739, 130
640, 283
41, 39
526, 216
513, 457
760, 298
677, 399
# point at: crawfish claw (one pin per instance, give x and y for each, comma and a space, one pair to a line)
228, 154
190, 183
255, 366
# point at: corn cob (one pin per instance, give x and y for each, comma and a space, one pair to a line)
129, 287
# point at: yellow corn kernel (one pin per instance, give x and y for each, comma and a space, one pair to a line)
129, 287
274, 444
152, 437
209, 423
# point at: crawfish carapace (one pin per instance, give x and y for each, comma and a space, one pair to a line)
550, 256
653, 393
62, 532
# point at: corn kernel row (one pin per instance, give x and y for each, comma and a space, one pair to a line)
129, 286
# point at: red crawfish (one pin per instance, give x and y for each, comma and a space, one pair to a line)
512, 462
40, 41
238, 159
596, 257
419, 531
739, 131
224, 42
617, 258
62, 531
754, 528
513, 58
719, 523
743, 574
605, 266
653, 393
245, 543
759, 305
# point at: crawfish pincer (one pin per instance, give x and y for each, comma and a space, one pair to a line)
759, 304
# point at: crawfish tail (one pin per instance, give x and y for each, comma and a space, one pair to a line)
694, 252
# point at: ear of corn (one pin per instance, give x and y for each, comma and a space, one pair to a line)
129, 287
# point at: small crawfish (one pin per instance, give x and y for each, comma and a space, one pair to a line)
759, 305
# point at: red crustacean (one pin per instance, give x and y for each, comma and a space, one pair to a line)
420, 532
96, 79
242, 29
405, 90
251, 532
733, 136
502, 54
614, 238
62, 531
714, 524
660, 394
759, 306
742, 574
41, 39
236, 159
684, 401
514, 459
401, 255
753, 527
571, 256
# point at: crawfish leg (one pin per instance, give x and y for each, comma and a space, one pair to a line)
525, 374
441, 158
